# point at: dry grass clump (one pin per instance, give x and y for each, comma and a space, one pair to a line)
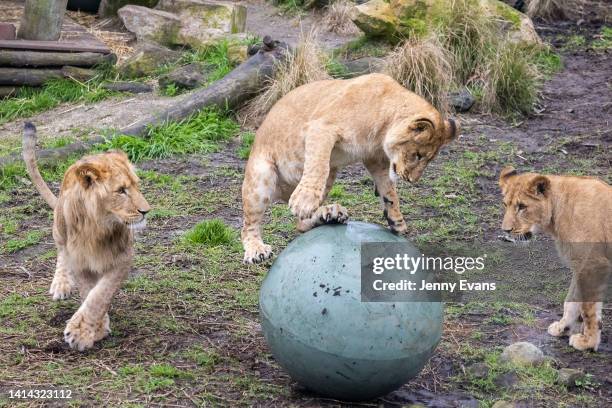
554, 9
337, 18
424, 67
307, 63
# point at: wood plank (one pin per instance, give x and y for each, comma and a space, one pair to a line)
22, 58
32, 77
66, 46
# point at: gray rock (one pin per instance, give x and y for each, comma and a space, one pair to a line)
146, 59
362, 66
109, 7
131, 87
504, 404
185, 77
478, 370
462, 101
151, 25
569, 376
507, 380
523, 353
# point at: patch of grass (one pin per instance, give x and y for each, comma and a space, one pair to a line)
574, 42
337, 18
604, 42
198, 134
246, 142
547, 61
211, 233
170, 90
30, 101
202, 357
16, 244
363, 47
215, 56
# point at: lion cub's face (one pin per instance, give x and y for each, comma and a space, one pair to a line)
412, 144
526, 201
110, 189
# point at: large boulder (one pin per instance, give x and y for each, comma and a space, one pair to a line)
146, 59
203, 22
151, 25
110, 7
396, 19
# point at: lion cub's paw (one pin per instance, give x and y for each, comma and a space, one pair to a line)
256, 253
103, 328
61, 287
557, 329
80, 333
400, 228
333, 214
581, 342
304, 201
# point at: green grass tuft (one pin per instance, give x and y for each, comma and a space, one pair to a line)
198, 134
246, 143
17, 244
604, 42
211, 233
30, 101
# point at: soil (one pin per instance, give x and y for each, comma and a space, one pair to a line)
571, 133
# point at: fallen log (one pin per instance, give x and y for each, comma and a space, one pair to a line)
26, 76
131, 87
10, 58
228, 92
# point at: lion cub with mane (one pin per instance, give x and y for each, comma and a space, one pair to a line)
98, 208
319, 128
577, 213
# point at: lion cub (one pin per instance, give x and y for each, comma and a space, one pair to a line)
577, 213
95, 214
316, 130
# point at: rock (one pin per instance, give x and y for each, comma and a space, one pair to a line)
569, 376
109, 8
478, 370
131, 87
395, 19
203, 22
362, 66
152, 25
507, 380
504, 404
186, 77
7, 31
146, 59
462, 101
523, 353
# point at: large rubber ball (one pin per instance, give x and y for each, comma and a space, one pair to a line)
321, 332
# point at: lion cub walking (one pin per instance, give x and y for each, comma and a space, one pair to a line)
316, 130
577, 213
95, 214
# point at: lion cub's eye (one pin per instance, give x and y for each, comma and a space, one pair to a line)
419, 156
122, 190
521, 206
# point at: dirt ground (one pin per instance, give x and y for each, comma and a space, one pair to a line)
195, 309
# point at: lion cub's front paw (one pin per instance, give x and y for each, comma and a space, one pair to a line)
61, 287
80, 333
256, 252
581, 342
399, 228
304, 201
557, 329
103, 328
333, 214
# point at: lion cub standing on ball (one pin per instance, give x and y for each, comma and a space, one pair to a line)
98, 208
577, 213
316, 130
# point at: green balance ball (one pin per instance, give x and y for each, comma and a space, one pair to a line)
327, 338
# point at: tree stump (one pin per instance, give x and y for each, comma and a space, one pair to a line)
42, 20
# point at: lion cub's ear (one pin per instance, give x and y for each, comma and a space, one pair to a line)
419, 128
87, 174
539, 186
505, 174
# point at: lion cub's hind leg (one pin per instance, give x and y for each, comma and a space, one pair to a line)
258, 191
384, 187
63, 282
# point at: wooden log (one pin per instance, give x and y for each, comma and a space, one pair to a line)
10, 58
42, 20
27, 76
131, 87
67, 46
228, 92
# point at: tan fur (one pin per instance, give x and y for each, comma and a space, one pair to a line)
577, 213
317, 129
95, 213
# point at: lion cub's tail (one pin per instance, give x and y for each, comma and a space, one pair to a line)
29, 156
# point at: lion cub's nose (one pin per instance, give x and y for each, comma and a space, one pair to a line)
508, 230
143, 212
